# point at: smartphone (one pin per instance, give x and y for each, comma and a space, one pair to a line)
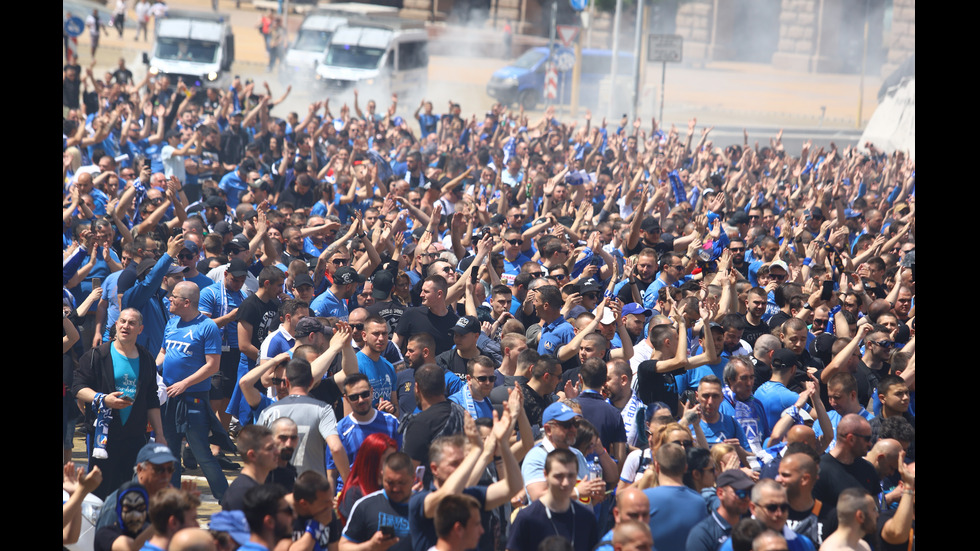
474, 270
387, 531
96, 282
827, 291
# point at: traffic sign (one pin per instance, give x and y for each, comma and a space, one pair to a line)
551, 82
665, 47
577, 5
567, 34
74, 26
565, 61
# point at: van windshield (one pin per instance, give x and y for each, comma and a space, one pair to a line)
186, 50
354, 57
529, 59
310, 40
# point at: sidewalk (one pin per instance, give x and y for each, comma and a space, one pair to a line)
717, 93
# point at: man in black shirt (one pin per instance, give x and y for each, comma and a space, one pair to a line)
233, 141
260, 453
438, 417
845, 467
433, 317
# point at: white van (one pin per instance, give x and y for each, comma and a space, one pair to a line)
195, 46
315, 32
378, 58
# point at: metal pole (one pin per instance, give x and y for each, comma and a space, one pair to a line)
864, 61
615, 59
551, 46
663, 84
588, 36
637, 51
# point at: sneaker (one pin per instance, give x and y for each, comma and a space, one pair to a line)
226, 464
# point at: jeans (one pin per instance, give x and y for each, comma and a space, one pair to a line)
188, 416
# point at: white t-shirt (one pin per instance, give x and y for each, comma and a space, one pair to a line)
173, 165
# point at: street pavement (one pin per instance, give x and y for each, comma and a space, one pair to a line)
727, 95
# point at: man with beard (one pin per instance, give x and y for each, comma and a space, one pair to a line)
286, 434
269, 516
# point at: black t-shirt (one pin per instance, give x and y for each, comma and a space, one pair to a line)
666, 244
420, 319
885, 516
328, 391
454, 363
122, 76
283, 476
262, 316
235, 495
299, 200
835, 477
323, 534
753, 332
374, 511
763, 373
778, 319
390, 310
657, 387
423, 429
534, 403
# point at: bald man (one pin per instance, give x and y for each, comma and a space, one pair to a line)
845, 467
798, 474
884, 456
797, 434
192, 539
631, 505
857, 517
632, 535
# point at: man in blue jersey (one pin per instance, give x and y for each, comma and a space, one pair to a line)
363, 419
333, 301
379, 371
190, 356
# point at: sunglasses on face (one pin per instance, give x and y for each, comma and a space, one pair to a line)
515, 242
774, 507
357, 326
486, 378
339, 261
186, 256
359, 396
277, 380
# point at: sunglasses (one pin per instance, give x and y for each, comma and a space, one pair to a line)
777, 277
161, 469
559, 277
448, 269
536, 274
486, 378
357, 326
277, 380
515, 242
359, 396
741, 494
339, 261
773, 507
187, 256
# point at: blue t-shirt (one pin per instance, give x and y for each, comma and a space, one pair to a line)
775, 397
125, 371
216, 301
381, 375
327, 304
352, 433
751, 417
233, 186
187, 345
482, 408
674, 510
725, 427
555, 335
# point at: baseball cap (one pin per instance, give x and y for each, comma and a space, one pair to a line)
779, 264
346, 275
558, 412
176, 269
738, 218
237, 267
383, 282
784, 358
607, 317
302, 279
191, 247
234, 523
157, 454
636, 308
466, 325
735, 478
590, 285
650, 224
307, 326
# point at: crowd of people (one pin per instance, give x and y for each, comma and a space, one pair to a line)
398, 329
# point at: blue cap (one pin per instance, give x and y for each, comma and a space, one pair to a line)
558, 412
157, 454
397, 121
233, 522
851, 213
636, 308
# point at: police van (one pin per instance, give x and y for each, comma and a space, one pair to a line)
378, 56
198, 47
317, 29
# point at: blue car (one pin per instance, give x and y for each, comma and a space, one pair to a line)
523, 80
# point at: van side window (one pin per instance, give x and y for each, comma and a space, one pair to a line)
412, 55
